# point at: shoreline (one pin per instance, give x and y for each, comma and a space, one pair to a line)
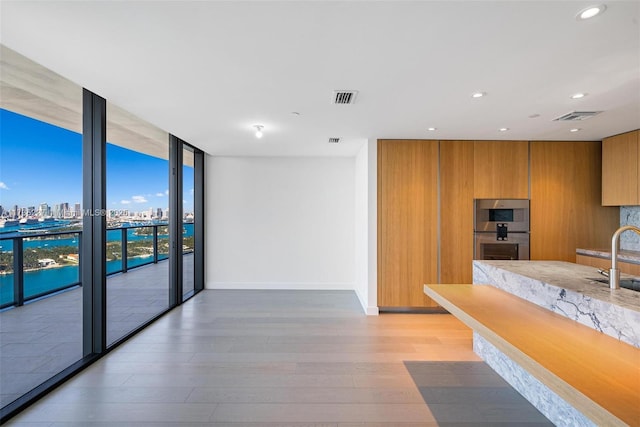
71, 264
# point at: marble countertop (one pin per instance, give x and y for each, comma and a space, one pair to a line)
571, 277
632, 257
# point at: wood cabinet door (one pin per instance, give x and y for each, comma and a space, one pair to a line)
407, 221
620, 169
456, 211
565, 200
501, 170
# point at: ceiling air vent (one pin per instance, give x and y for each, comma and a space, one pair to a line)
334, 140
344, 97
576, 116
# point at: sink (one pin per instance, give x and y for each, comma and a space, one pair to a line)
633, 284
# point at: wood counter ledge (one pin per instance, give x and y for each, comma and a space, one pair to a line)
597, 374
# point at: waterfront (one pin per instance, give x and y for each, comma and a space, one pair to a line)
49, 279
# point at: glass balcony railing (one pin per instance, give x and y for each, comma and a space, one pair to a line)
38, 264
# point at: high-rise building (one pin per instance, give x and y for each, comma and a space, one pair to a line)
76, 211
43, 210
159, 213
1, 210
31, 211
64, 210
15, 212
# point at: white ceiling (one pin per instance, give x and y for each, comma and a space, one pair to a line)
207, 71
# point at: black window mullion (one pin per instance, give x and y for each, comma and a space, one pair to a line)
198, 226
175, 221
94, 224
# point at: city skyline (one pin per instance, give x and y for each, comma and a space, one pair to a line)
51, 170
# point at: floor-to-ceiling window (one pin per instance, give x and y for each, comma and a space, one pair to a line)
40, 217
85, 249
188, 219
137, 178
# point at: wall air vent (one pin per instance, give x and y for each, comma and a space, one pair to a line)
576, 116
344, 97
334, 140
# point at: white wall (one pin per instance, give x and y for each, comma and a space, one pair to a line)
280, 223
366, 227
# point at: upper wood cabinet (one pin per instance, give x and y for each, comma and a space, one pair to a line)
565, 200
456, 211
501, 170
407, 221
621, 169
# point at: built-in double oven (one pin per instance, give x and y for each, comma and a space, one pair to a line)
501, 229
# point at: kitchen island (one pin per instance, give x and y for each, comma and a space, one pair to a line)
567, 290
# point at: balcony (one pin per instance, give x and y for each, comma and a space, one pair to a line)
41, 320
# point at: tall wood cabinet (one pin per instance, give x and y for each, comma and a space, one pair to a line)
501, 170
621, 169
456, 211
425, 206
407, 221
565, 200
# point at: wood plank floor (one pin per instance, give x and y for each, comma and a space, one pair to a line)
287, 358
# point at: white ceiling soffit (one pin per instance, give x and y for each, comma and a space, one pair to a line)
208, 71
32, 90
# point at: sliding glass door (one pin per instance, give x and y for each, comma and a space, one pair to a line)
188, 219
137, 242
40, 223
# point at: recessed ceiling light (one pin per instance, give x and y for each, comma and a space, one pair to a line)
503, 129
479, 94
574, 130
431, 129
590, 12
295, 113
258, 129
578, 95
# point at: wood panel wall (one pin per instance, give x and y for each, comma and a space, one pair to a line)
456, 211
407, 221
501, 170
565, 200
621, 169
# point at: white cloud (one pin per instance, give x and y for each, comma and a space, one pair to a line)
125, 202
191, 191
138, 199
166, 192
3, 186
159, 194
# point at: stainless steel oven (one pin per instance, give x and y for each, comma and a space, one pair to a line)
488, 247
488, 213
501, 229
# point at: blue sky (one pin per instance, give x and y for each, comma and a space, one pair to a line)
42, 163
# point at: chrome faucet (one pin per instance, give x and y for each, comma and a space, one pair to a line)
614, 273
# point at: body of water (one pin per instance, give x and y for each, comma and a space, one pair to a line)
51, 279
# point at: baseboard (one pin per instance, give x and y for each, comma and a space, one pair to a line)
369, 311
372, 311
330, 286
